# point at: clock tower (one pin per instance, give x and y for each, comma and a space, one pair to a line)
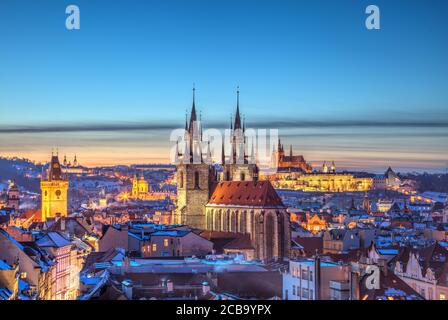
54, 188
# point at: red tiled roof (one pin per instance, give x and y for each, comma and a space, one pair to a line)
310, 244
245, 193
35, 213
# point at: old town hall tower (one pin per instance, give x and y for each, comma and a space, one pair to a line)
54, 187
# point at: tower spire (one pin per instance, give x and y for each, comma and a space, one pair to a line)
237, 116
193, 111
223, 154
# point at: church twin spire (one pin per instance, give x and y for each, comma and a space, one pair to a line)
193, 133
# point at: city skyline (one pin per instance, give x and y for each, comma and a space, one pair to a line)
335, 90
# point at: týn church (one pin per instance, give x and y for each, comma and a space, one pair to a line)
236, 202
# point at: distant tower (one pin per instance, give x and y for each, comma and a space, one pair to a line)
75, 162
134, 193
54, 188
333, 167
325, 167
194, 177
65, 161
13, 196
366, 203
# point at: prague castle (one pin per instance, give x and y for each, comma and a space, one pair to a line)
54, 188
235, 201
327, 180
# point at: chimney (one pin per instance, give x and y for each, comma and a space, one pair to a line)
382, 264
317, 276
205, 288
126, 287
169, 286
354, 286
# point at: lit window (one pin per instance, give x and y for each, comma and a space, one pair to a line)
154, 247
442, 296
165, 242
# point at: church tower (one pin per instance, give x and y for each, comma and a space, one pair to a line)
134, 193
54, 188
195, 178
239, 166
13, 196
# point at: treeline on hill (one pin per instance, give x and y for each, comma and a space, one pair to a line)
8, 171
430, 182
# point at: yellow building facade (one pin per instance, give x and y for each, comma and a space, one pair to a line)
324, 182
54, 189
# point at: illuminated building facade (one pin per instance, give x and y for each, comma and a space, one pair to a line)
54, 188
139, 187
325, 182
315, 224
253, 208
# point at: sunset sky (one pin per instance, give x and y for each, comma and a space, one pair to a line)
112, 91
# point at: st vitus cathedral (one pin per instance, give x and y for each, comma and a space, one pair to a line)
235, 201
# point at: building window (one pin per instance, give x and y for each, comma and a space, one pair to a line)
165, 242
293, 290
181, 180
305, 275
422, 292
243, 176
196, 180
442, 296
154, 247
305, 293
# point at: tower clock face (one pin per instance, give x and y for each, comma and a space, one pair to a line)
58, 193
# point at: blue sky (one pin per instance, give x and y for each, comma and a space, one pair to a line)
301, 65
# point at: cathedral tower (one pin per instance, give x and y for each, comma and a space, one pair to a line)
195, 178
239, 165
54, 188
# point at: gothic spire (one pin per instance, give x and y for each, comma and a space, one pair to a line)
223, 154
193, 117
237, 116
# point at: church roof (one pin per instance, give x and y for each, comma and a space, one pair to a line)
245, 193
